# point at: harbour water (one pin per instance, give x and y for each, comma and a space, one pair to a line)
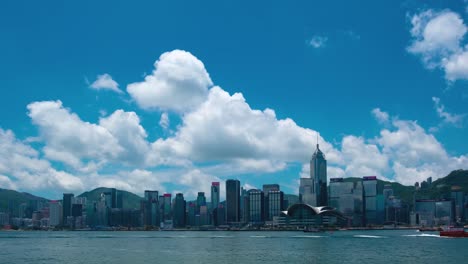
376, 246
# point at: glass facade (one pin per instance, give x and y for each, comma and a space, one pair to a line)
232, 201
179, 211
318, 172
275, 204
256, 211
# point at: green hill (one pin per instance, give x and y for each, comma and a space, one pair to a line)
130, 200
15, 198
442, 187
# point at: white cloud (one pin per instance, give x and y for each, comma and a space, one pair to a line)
318, 41
453, 119
179, 82
164, 121
225, 128
105, 82
438, 38
456, 66
22, 168
382, 117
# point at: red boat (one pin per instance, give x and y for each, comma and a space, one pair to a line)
454, 232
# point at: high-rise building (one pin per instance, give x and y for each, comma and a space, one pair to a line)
179, 211
55, 213
256, 210
266, 189
318, 172
369, 184
167, 206
214, 195
150, 209
232, 201
67, 206
458, 197
201, 200
306, 191
341, 196
275, 204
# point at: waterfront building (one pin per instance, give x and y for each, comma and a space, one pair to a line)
369, 184
358, 198
458, 197
55, 213
425, 212
204, 215
266, 189
256, 211
150, 208
342, 197
191, 213
275, 204
214, 195
179, 211
167, 206
67, 207
4, 219
232, 201
444, 212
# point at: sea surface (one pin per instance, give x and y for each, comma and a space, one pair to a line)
387, 246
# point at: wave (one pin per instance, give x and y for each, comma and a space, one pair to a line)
422, 235
368, 236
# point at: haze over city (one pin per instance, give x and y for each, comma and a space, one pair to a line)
142, 99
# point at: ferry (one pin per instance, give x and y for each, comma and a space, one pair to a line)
454, 232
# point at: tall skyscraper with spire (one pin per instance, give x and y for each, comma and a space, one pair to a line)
318, 172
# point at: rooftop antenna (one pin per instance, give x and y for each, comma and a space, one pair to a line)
317, 139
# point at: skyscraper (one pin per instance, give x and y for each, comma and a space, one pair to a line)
275, 204
214, 195
67, 206
306, 191
232, 201
151, 208
318, 172
256, 204
179, 211
369, 184
55, 213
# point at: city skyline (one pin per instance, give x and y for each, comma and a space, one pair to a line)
85, 107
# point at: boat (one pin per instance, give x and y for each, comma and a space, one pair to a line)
454, 232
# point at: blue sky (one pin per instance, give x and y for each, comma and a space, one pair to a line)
171, 95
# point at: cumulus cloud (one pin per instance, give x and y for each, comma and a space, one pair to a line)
179, 82
22, 168
438, 39
225, 128
105, 82
318, 41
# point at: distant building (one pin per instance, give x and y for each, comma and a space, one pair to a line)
370, 200
256, 211
67, 207
167, 206
55, 213
214, 195
232, 201
275, 204
150, 209
318, 172
266, 189
306, 191
179, 211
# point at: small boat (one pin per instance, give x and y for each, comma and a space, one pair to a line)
454, 232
